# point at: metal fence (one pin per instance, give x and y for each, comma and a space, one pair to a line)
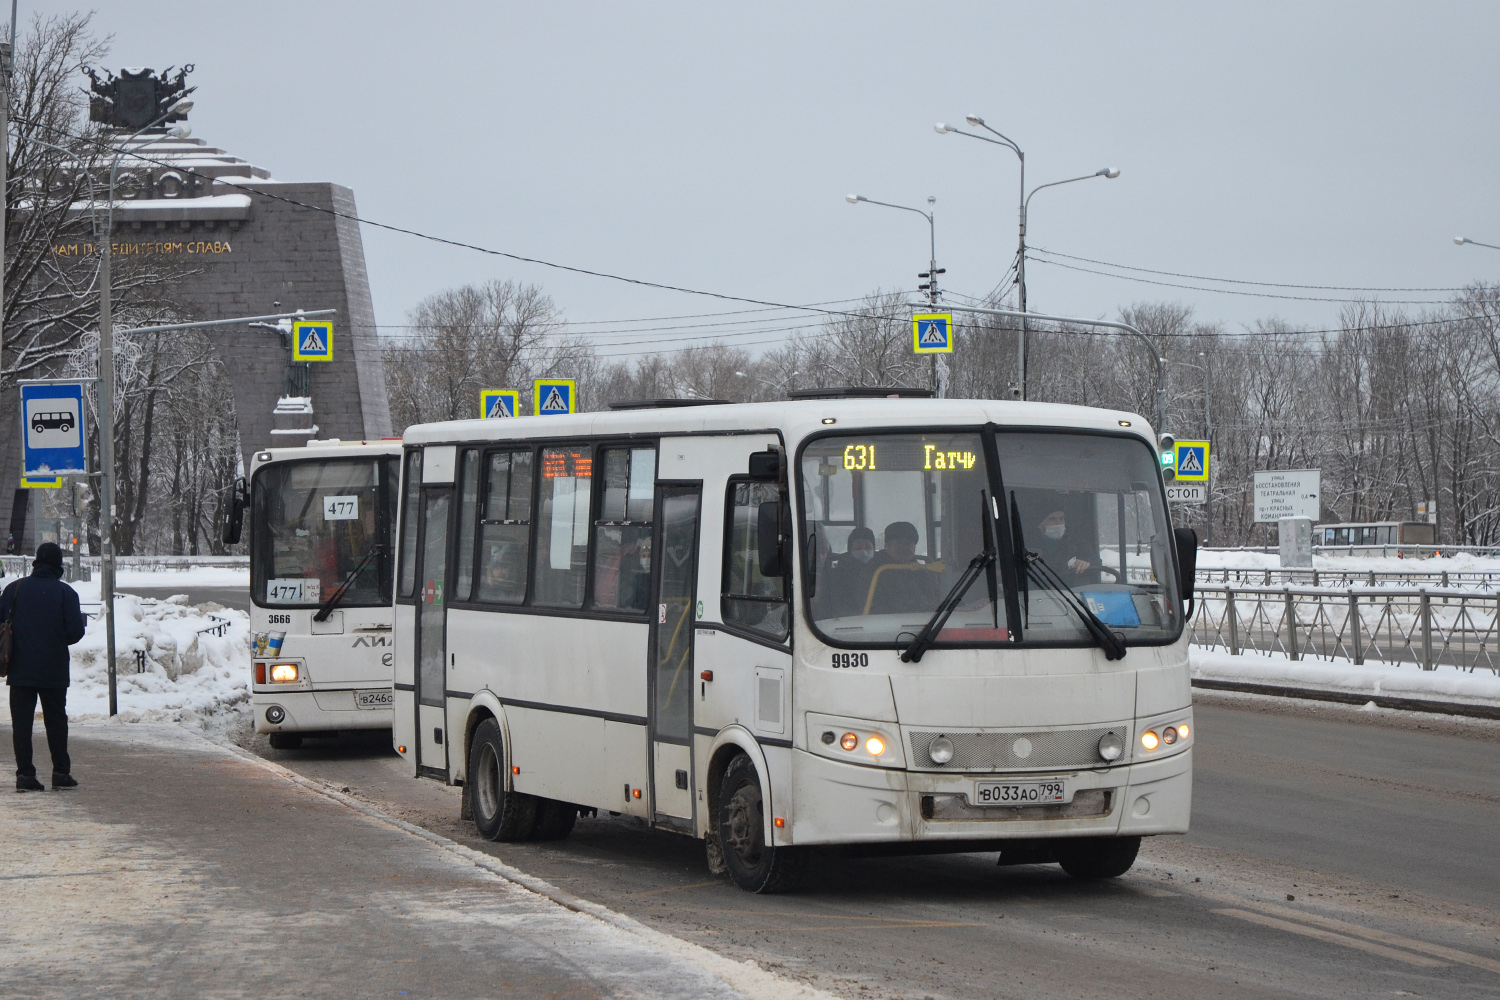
1427, 627
21, 565
1343, 578
1405, 551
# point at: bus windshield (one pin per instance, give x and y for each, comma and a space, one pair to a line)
893, 520
315, 523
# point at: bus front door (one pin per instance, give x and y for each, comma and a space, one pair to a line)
432, 627
671, 678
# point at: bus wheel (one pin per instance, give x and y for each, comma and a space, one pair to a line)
755, 865
285, 741
498, 814
554, 819
1097, 857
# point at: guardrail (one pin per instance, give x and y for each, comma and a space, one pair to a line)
1343, 578
1403, 551
1427, 627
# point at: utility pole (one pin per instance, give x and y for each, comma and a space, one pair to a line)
7, 57
1208, 435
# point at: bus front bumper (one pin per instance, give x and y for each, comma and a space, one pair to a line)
850, 804
313, 711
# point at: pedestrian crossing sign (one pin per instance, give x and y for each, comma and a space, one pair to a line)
1192, 461
41, 484
494, 403
932, 333
312, 341
552, 396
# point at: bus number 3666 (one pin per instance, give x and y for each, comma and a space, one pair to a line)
851, 659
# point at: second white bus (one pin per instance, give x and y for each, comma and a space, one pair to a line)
882, 625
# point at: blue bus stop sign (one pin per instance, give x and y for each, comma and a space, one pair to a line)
52, 430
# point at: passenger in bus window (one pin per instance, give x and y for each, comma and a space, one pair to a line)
898, 582
849, 578
1065, 553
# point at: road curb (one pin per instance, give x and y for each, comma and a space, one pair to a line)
747, 977
1470, 710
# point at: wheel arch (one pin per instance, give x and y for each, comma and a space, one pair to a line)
734, 740
483, 705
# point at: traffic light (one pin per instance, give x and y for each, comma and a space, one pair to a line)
1168, 455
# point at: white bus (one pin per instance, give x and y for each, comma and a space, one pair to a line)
322, 524
918, 634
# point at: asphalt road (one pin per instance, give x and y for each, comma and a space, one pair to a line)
229, 597
1334, 853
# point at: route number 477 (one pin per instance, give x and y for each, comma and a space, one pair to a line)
341, 508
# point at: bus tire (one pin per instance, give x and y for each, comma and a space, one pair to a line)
498, 814
285, 741
740, 826
1097, 857
554, 819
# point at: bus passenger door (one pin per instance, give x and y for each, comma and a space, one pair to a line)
671, 679
432, 622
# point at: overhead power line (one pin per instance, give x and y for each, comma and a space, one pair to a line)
1233, 291
1242, 281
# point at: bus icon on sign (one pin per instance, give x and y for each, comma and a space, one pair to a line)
52, 421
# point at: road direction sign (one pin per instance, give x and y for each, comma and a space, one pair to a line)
312, 340
1192, 461
932, 333
554, 396
495, 403
1187, 492
52, 429
1288, 493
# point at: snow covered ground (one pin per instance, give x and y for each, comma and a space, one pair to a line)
191, 675
1462, 562
1481, 687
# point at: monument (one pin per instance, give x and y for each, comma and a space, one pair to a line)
254, 245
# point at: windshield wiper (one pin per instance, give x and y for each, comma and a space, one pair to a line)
1038, 571
924, 639
326, 608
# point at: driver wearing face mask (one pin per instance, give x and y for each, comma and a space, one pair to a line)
1067, 555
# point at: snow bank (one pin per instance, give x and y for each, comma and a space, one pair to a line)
198, 577
191, 676
1462, 562
1369, 679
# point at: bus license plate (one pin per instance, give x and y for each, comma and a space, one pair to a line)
374, 699
1020, 793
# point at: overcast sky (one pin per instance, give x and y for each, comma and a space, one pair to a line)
711, 145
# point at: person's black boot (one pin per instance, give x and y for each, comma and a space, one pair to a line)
60, 780
29, 784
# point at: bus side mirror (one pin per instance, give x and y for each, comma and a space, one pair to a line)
769, 538
1187, 563
765, 466
234, 521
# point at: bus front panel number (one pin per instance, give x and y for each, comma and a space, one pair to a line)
851, 659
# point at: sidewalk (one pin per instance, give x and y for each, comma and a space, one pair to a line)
183, 868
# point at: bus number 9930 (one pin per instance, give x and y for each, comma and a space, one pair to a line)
851, 659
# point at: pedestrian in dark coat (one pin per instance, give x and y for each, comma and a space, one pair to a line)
45, 620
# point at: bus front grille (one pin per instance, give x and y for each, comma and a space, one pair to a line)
1046, 749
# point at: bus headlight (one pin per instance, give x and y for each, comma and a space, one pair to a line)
849, 741
283, 673
1149, 740
875, 745
1111, 747
940, 750
1169, 735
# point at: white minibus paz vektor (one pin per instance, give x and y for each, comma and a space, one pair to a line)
322, 526
836, 623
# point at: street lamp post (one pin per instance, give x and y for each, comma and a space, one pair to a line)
1461, 240
942, 128
765, 381
939, 380
107, 400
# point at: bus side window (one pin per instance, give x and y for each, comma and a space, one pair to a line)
409, 508
561, 557
750, 600
622, 543
505, 533
468, 509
